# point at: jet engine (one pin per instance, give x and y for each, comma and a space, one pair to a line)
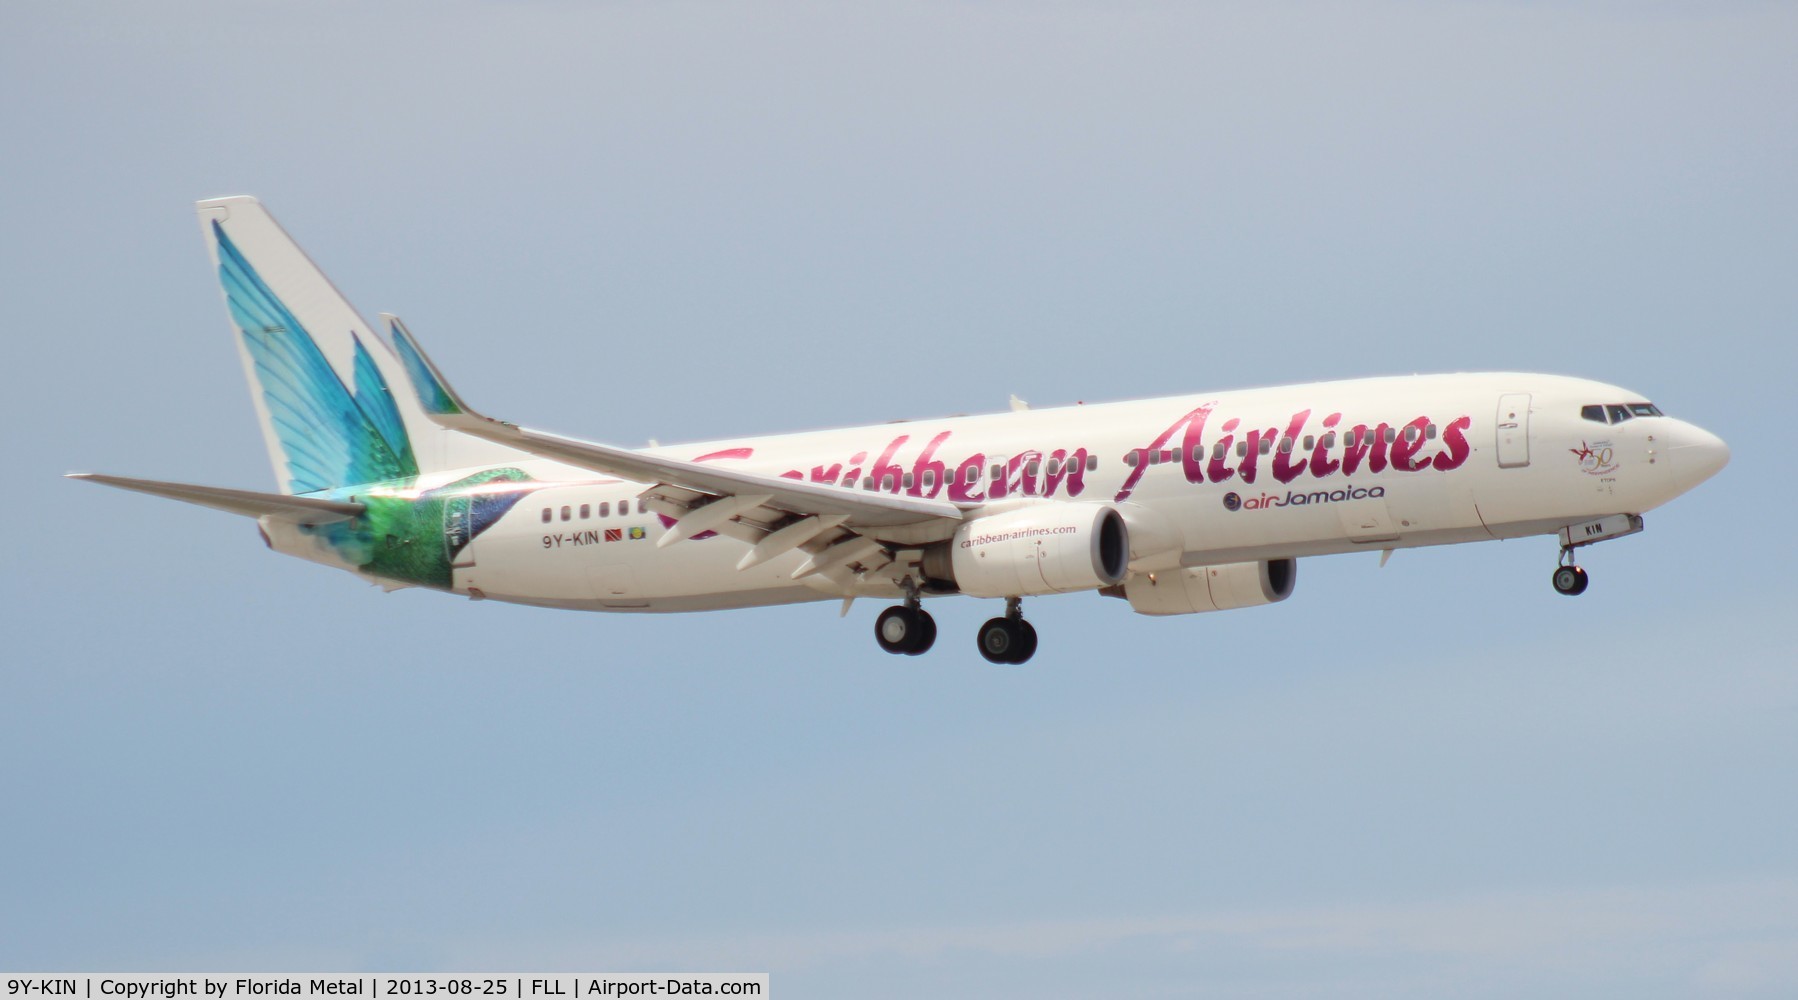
1212, 588
1045, 548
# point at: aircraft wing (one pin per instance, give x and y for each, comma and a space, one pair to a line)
864, 509
840, 527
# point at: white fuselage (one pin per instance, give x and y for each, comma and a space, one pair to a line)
1228, 477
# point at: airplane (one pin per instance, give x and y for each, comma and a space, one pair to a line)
1177, 505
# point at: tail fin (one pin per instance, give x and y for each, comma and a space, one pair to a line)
336, 405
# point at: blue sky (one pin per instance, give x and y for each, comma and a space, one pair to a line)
690, 220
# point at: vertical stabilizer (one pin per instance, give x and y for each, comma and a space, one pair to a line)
335, 403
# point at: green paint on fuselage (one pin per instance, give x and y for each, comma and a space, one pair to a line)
416, 540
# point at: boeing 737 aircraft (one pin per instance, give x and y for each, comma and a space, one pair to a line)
1177, 505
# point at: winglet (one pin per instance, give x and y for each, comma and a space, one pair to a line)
434, 392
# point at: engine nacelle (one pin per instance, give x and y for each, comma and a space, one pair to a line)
1045, 548
1212, 588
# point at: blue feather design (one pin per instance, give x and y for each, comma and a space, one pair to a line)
329, 437
376, 403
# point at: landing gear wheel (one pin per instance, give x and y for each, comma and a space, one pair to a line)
998, 640
1007, 640
926, 636
1026, 641
898, 629
905, 629
1570, 580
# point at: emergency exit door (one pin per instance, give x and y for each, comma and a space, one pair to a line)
1514, 430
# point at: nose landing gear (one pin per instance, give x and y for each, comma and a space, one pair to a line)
1010, 639
1569, 578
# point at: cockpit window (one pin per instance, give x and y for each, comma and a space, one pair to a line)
1616, 413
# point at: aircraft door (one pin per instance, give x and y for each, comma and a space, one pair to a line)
1513, 428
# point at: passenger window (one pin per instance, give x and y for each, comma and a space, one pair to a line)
605, 509
868, 483
1619, 413
929, 479
886, 483
586, 511
973, 475
1411, 434
1329, 440
1391, 435
1267, 445
1310, 441
1242, 449
1132, 459
1429, 431
1217, 452
1285, 446
567, 513
1054, 466
1154, 458
546, 515
907, 481
1092, 463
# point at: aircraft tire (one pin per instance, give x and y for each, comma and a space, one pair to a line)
1026, 642
997, 640
898, 629
925, 635
1570, 580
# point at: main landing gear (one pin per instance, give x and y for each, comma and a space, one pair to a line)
1569, 578
909, 629
1010, 639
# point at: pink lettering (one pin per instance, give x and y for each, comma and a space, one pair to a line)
1286, 469
1321, 462
1406, 446
887, 473
923, 485
1455, 440
964, 488
1253, 459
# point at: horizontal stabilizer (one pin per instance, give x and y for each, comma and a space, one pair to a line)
299, 510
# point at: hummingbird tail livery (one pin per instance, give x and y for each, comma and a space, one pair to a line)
1177, 505
336, 400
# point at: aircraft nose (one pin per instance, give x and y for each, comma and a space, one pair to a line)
1696, 453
